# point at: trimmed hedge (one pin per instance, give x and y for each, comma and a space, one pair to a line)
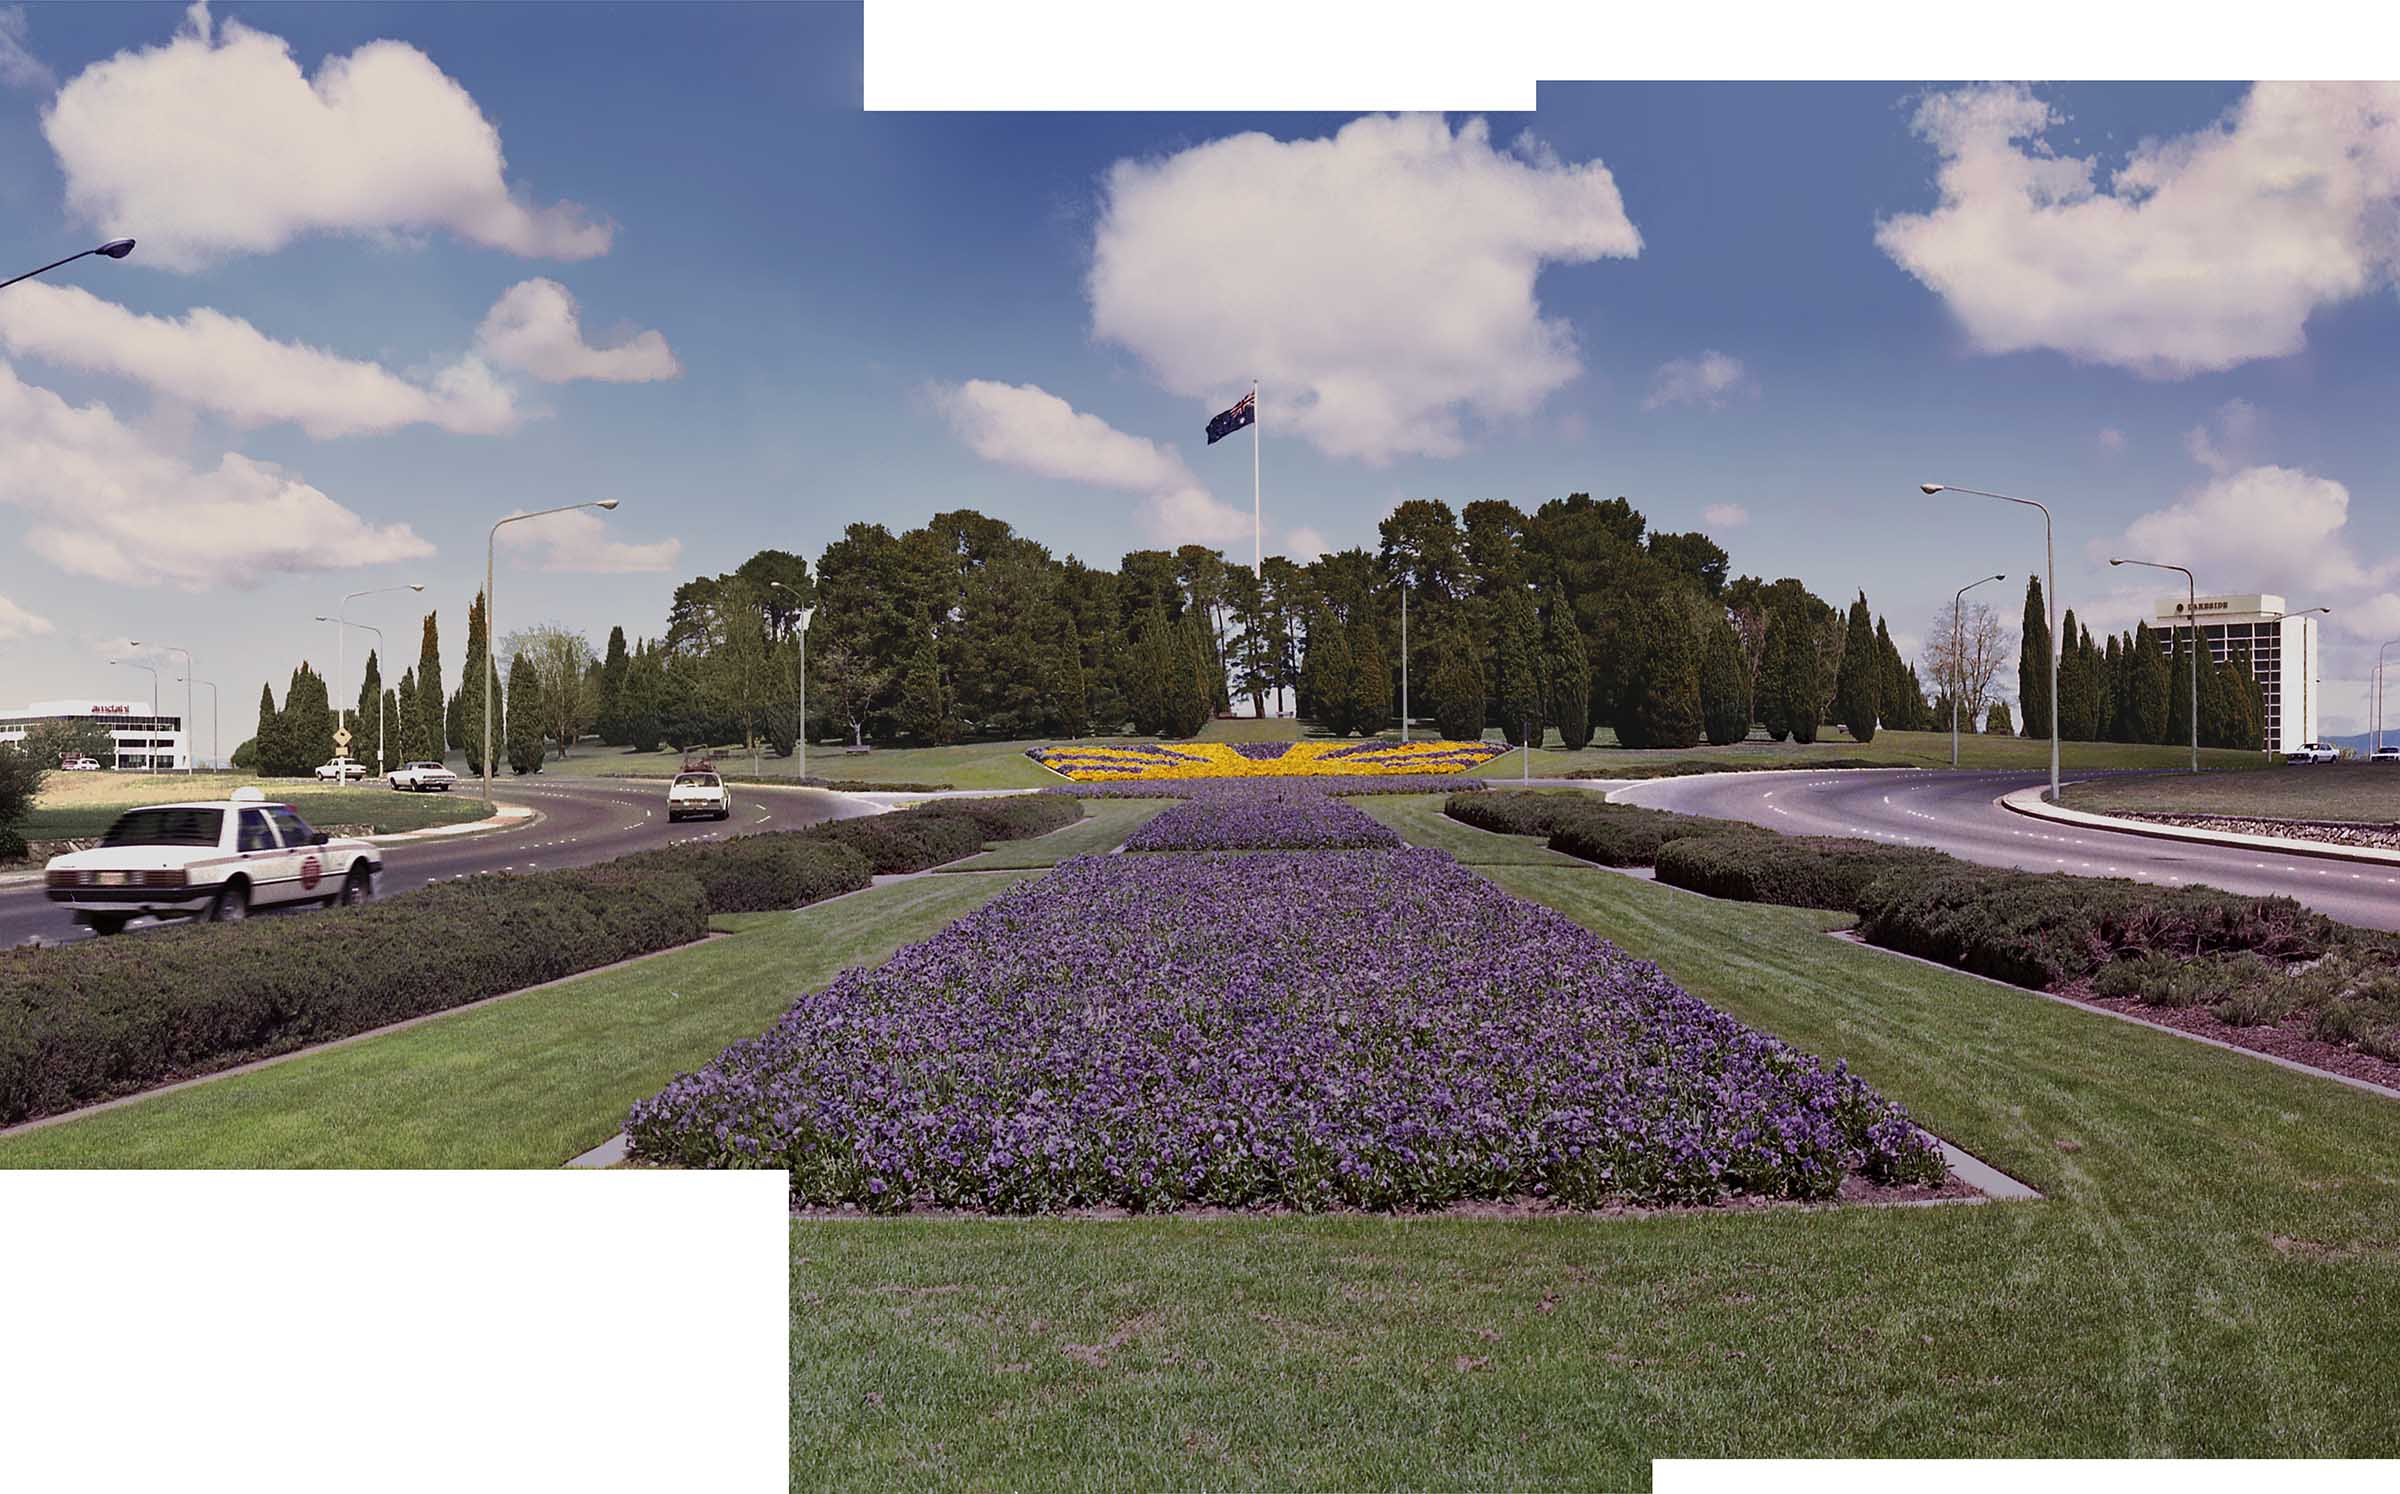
760, 873
2044, 929
905, 840
1799, 872
1015, 816
1625, 835
109, 1016
1518, 811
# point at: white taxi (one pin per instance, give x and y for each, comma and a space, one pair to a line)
698, 794
214, 859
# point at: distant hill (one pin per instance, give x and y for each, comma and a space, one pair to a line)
2363, 742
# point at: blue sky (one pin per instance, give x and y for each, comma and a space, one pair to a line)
788, 314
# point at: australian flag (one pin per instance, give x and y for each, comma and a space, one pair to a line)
1244, 412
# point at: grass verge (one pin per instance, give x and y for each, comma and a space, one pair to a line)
527, 1082
1895, 749
2216, 1273
1104, 826
2348, 793
75, 806
1420, 821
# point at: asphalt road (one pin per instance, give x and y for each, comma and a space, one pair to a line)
582, 821
1956, 812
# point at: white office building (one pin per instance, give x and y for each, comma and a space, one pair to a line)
143, 741
2283, 654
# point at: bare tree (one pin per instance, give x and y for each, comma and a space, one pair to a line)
1964, 652
561, 660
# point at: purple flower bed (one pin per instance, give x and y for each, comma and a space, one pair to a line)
1342, 784
1364, 1029
1245, 815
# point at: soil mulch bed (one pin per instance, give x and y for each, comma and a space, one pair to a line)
2329, 832
1854, 1192
2286, 1039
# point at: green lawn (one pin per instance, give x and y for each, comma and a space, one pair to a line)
2216, 1272
1105, 824
80, 805
1420, 821
527, 1082
1898, 749
2363, 793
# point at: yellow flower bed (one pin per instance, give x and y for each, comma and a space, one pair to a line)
1106, 763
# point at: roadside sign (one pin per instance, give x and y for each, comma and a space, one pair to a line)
341, 736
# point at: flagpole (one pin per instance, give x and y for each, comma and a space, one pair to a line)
1258, 543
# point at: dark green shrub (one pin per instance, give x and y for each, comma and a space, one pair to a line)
12, 845
2050, 929
1800, 872
1624, 835
1518, 811
1016, 816
90, 1020
760, 873
906, 840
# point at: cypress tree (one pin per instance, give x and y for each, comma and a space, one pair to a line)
1457, 688
430, 699
1325, 673
1996, 723
366, 741
2147, 686
1724, 681
1857, 685
2033, 663
2074, 725
1197, 678
1661, 702
267, 753
1772, 700
1517, 670
1370, 684
306, 725
466, 719
525, 740
2178, 726
613, 669
1567, 672
924, 711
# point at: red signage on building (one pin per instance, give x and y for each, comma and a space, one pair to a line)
115, 710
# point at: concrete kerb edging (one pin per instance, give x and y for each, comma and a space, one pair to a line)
2030, 803
504, 817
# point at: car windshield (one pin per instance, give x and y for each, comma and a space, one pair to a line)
166, 827
695, 780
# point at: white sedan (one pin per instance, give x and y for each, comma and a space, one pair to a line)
2384, 755
698, 794
422, 777
342, 770
213, 859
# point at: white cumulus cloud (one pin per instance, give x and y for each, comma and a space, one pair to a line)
1725, 515
2201, 252
1380, 282
579, 541
1027, 427
16, 623
1706, 381
2268, 528
107, 503
215, 143
537, 327
212, 361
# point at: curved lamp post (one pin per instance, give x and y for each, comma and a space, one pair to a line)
1958, 605
113, 249
150, 755
491, 625
2049, 601
2191, 619
214, 745
188, 730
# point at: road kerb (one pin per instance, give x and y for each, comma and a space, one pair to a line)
2030, 803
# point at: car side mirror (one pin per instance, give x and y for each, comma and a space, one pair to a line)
320, 838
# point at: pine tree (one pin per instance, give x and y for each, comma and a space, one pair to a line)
2033, 663
470, 720
1517, 670
1858, 685
430, 699
1567, 671
1724, 681
613, 669
525, 739
1457, 688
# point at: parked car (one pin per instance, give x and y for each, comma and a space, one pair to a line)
420, 778
2384, 755
341, 770
2314, 752
213, 859
698, 794
77, 762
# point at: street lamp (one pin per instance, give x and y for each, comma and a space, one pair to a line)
2191, 618
113, 249
214, 745
2306, 672
491, 625
189, 733
384, 653
2049, 602
800, 738
1958, 606
149, 755
341, 667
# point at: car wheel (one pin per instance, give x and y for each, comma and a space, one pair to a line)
357, 888
105, 924
231, 904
